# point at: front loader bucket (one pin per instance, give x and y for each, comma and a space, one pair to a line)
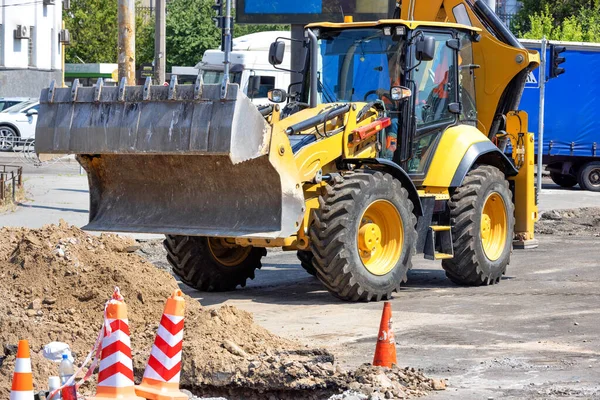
172, 160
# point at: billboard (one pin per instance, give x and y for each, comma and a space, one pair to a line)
307, 11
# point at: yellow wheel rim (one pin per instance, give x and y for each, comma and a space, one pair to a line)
227, 254
493, 226
380, 237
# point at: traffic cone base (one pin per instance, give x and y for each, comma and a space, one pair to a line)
385, 350
22, 383
157, 389
161, 377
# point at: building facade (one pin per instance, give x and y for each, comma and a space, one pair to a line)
30, 49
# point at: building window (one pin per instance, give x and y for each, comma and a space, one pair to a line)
30, 48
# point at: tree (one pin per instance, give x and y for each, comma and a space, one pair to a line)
569, 20
190, 31
580, 27
94, 30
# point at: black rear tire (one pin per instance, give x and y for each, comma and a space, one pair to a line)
561, 180
589, 176
334, 236
196, 263
470, 265
306, 261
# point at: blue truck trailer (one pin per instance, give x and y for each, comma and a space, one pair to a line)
571, 115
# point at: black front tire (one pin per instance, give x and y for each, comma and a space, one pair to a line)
334, 236
589, 176
561, 180
197, 265
470, 265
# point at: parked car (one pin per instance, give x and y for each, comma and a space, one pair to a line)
7, 102
17, 124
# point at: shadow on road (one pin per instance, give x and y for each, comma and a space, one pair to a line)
63, 209
72, 190
290, 284
554, 186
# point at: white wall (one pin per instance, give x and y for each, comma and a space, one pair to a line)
46, 21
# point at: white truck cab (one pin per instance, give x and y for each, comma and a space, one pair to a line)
250, 66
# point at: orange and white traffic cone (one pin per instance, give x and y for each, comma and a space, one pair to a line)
22, 384
385, 351
115, 374
161, 377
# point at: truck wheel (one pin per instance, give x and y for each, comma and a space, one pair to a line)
306, 260
482, 219
211, 264
589, 176
363, 236
561, 180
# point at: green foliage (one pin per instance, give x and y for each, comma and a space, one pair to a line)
94, 31
563, 20
93, 28
191, 31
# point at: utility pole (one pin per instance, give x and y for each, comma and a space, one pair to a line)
126, 44
540, 138
160, 48
226, 40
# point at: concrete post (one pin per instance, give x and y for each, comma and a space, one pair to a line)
126, 44
160, 55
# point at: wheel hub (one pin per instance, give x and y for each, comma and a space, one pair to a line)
369, 239
493, 226
486, 226
380, 237
227, 254
595, 177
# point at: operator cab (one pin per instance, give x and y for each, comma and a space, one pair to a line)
430, 64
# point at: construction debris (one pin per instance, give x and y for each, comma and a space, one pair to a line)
576, 222
51, 295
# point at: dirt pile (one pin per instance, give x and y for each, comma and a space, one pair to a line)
576, 222
56, 280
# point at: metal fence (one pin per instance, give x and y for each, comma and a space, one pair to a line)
145, 11
11, 178
507, 18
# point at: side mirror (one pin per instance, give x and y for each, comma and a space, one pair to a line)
277, 95
253, 86
400, 93
276, 52
31, 112
425, 49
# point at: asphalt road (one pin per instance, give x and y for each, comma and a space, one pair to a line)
535, 335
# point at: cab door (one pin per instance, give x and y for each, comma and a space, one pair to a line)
436, 106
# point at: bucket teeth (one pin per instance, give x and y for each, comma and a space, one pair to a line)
191, 119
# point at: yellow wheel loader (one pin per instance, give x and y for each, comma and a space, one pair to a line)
402, 138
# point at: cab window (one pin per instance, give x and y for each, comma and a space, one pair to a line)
466, 79
435, 83
266, 83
